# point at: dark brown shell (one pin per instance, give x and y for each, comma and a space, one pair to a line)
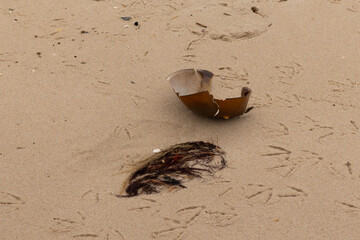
193, 88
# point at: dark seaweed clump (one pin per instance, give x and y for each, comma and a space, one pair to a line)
174, 166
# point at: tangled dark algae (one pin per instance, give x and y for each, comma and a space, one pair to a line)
174, 166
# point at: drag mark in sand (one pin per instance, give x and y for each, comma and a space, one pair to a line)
105, 234
346, 170
348, 206
254, 192
195, 215
282, 151
326, 135
191, 213
77, 228
259, 193
10, 199
285, 165
90, 194
86, 235
63, 225
225, 192
353, 123
285, 169
151, 206
139, 208
230, 78
348, 165
279, 129
288, 71
189, 58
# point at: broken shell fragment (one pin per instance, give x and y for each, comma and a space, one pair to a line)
193, 88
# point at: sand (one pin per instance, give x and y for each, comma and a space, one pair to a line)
83, 94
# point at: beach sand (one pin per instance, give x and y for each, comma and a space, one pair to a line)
83, 94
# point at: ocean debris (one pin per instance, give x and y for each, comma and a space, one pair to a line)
172, 167
193, 88
126, 18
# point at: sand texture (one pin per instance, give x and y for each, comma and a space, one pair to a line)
83, 95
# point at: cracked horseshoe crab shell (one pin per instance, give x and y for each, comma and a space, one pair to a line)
193, 88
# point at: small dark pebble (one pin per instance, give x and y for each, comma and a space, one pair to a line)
15, 19
126, 18
132, 82
83, 62
39, 54
136, 23
35, 36
58, 43
75, 56
254, 9
84, 32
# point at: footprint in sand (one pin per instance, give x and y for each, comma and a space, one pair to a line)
9, 202
232, 22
